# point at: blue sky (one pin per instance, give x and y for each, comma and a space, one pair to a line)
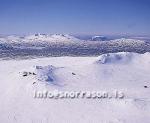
75, 16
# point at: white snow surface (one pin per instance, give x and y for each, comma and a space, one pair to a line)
126, 72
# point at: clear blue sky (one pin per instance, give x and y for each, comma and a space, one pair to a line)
75, 16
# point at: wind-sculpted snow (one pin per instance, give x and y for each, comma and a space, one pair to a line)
46, 74
121, 57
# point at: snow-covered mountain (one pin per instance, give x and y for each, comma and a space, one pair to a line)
51, 38
99, 38
64, 45
62, 38
10, 39
59, 38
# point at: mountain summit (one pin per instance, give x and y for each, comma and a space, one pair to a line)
52, 38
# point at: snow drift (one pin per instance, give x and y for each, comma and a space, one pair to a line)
121, 57
45, 74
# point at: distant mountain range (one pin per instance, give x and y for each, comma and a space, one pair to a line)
59, 38
67, 45
38, 38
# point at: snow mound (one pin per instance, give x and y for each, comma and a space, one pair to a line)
46, 74
121, 57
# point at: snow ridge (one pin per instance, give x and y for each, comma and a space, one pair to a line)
121, 57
